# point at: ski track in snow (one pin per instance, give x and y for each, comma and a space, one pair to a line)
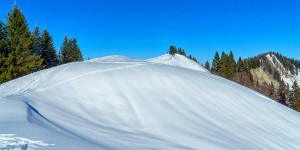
89, 73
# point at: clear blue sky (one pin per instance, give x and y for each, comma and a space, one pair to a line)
146, 28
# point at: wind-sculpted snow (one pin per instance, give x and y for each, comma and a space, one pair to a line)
177, 60
143, 105
10, 142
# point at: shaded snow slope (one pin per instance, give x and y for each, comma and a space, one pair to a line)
178, 60
142, 105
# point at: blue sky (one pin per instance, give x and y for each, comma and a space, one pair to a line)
146, 28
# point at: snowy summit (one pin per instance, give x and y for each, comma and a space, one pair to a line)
168, 102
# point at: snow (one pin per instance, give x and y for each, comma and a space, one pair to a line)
141, 105
8, 141
178, 60
113, 58
286, 76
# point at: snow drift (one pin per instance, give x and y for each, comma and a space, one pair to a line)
142, 105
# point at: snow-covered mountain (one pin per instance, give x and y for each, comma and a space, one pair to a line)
285, 74
162, 103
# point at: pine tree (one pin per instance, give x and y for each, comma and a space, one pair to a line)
180, 51
36, 38
69, 51
240, 65
207, 66
247, 70
77, 56
224, 66
3, 47
232, 66
47, 50
172, 50
215, 69
282, 98
20, 60
295, 97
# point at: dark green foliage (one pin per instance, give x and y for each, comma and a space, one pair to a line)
19, 59
36, 39
295, 97
69, 51
240, 65
247, 70
3, 47
282, 98
172, 50
224, 66
231, 65
207, 66
216, 64
181, 51
47, 50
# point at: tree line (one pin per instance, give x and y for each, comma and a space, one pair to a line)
23, 52
239, 71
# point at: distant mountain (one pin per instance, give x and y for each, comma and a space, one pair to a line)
269, 73
168, 102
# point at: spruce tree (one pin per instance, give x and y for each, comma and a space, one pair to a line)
224, 66
172, 50
77, 56
232, 66
47, 50
295, 97
282, 98
240, 65
3, 47
36, 39
20, 60
207, 66
69, 51
215, 69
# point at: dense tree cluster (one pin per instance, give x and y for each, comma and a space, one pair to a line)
23, 52
226, 66
239, 72
174, 50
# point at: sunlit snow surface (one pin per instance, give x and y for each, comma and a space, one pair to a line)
142, 105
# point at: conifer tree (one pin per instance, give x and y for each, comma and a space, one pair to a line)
224, 66
172, 50
295, 96
47, 50
282, 98
20, 60
207, 66
247, 70
3, 47
240, 65
36, 39
69, 51
232, 66
215, 69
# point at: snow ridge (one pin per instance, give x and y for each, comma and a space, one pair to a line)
142, 105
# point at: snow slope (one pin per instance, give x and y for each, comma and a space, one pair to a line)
178, 60
141, 105
286, 76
